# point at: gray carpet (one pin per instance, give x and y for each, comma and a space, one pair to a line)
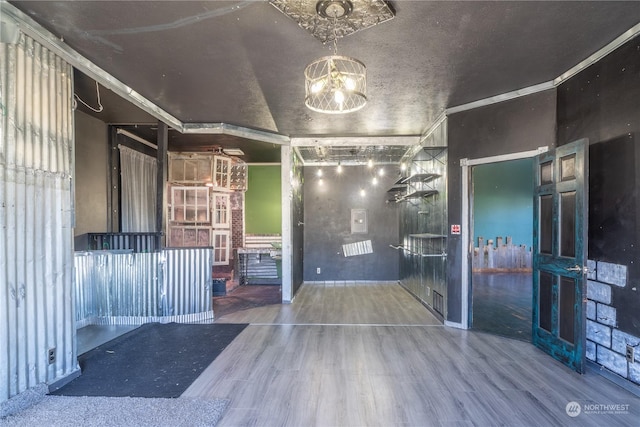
59, 411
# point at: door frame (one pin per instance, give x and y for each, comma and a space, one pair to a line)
465, 238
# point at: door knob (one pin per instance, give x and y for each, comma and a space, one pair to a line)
578, 269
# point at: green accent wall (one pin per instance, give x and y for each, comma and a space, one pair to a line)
263, 207
503, 201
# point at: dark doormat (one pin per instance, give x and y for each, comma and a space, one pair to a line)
154, 360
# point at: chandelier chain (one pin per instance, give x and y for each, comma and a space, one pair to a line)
335, 35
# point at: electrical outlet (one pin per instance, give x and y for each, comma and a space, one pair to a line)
630, 353
52, 355
318, 270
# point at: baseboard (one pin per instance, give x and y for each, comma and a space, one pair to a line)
456, 325
349, 282
64, 381
438, 316
613, 377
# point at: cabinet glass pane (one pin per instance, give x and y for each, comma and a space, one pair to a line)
568, 224
204, 171
567, 309
176, 170
545, 301
175, 237
190, 214
190, 170
196, 169
190, 204
190, 238
546, 224
221, 210
204, 237
222, 167
178, 214
220, 248
178, 196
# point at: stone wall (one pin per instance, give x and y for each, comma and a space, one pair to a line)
606, 344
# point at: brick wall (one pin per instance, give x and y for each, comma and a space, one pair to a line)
237, 236
237, 220
606, 345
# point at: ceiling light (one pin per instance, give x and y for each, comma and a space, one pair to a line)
374, 181
362, 192
339, 168
335, 84
370, 163
381, 172
403, 166
319, 173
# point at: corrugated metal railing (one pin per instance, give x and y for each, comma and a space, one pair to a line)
173, 285
137, 242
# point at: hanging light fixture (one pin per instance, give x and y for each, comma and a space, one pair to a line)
335, 84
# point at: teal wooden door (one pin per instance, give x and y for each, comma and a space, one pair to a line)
560, 253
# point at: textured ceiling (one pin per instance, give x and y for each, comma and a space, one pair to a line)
242, 62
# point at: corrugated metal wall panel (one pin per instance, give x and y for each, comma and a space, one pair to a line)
36, 214
422, 265
188, 280
169, 286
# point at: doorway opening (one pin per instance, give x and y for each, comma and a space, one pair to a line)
501, 225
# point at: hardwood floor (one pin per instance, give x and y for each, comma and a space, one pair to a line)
502, 304
371, 355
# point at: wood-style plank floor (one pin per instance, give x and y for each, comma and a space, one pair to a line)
371, 355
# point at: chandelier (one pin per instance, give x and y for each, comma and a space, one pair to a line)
335, 84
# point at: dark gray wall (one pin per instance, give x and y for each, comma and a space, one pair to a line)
91, 183
602, 103
327, 225
512, 126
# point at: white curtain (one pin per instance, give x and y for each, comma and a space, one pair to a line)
138, 191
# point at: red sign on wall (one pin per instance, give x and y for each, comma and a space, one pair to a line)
455, 228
